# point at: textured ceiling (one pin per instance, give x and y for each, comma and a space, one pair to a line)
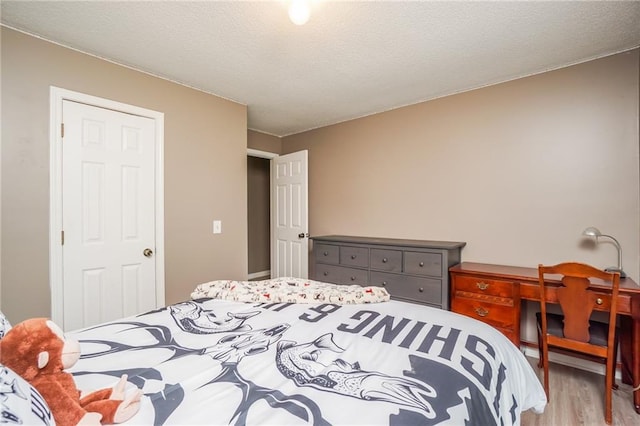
350, 60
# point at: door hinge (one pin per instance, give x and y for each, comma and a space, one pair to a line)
62, 237
62, 130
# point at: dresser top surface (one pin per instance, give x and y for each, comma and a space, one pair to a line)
447, 245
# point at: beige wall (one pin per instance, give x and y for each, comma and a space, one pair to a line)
0, 184
517, 170
205, 170
264, 142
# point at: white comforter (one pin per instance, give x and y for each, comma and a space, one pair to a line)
221, 362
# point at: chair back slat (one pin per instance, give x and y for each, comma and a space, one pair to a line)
577, 303
575, 276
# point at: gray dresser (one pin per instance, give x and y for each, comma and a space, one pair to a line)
411, 270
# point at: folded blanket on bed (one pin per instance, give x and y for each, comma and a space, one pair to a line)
290, 290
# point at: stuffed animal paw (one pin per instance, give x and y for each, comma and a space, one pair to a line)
128, 407
90, 419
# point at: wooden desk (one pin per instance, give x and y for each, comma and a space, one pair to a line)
524, 282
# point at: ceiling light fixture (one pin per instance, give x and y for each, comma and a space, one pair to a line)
299, 11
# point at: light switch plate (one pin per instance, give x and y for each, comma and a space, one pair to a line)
217, 227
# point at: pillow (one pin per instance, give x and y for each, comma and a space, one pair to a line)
4, 325
21, 403
290, 290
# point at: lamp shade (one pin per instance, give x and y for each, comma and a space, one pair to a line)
592, 232
595, 232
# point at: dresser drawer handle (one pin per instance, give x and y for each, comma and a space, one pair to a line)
421, 264
353, 278
421, 290
481, 311
325, 274
599, 301
384, 260
384, 283
326, 253
482, 285
353, 256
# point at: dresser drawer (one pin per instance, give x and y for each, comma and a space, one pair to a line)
423, 290
423, 263
490, 287
386, 260
341, 275
354, 256
503, 316
327, 253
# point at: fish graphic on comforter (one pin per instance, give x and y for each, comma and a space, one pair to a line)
316, 364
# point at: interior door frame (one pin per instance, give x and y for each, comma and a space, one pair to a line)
269, 156
56, 97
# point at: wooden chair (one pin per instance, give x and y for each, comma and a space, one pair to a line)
573, 332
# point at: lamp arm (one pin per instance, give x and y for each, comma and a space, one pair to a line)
617, 244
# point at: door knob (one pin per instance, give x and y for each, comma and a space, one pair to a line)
303, 235
147, 252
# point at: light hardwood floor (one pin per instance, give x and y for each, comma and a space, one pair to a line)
577, 398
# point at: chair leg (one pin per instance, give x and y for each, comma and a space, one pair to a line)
539, 349
544, 357
615, 361
609, 374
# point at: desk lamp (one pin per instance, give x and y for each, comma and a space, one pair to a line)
595, 232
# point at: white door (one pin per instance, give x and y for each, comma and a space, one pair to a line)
108, 202
290, 242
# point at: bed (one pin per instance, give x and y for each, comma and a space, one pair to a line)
221, 361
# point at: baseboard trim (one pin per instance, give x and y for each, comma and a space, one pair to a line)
531, 350
255, 275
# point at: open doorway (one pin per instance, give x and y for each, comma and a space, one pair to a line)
259, 214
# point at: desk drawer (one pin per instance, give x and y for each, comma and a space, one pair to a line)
326, 253
386, 260
341, 275
422, 290
354, 256
502, 316
482, 285
419, 263
531, 291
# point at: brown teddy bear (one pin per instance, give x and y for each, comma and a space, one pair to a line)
37, 350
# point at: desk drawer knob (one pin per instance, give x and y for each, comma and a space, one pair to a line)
384, 260
482, 285
325, 274
353, 256
421, 264
421, 289
326, 253
353, 278
384, 283
598, 301
481, 311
